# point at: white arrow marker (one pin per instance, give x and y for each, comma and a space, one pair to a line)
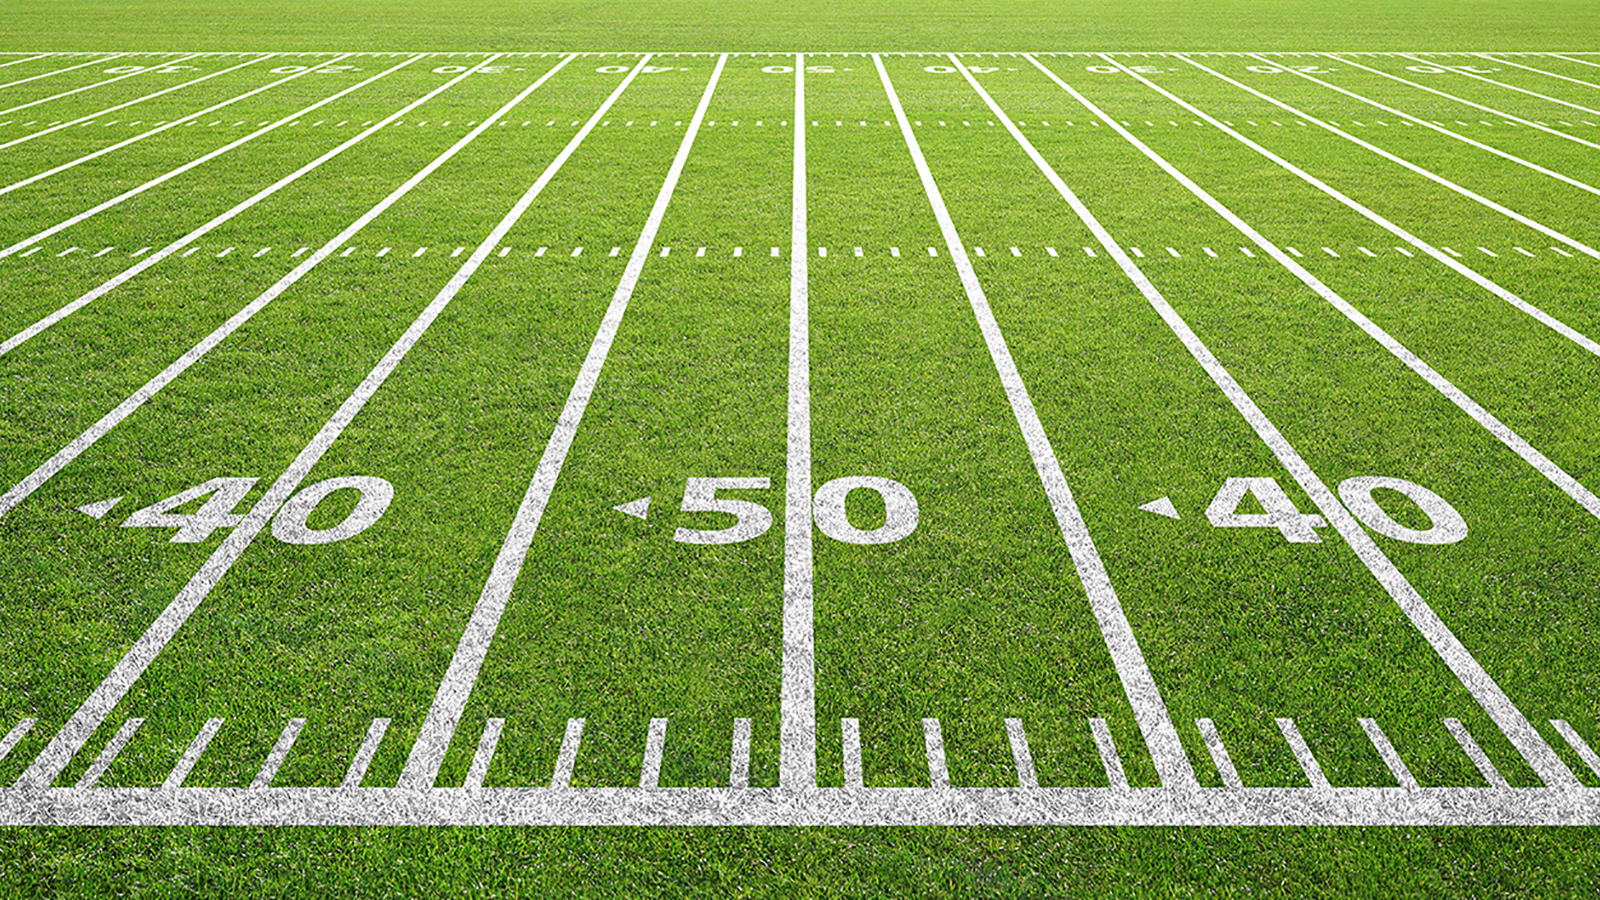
638, 508
99, 510
1162, 507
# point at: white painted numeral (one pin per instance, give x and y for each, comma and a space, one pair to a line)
290, 524
1447, 526
223, 494
939, 70
1103, 70
900, 509
1280, 511
700, 495
612, 70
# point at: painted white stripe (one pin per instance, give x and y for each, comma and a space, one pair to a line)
1502, 432
1584, 62
1571, 736
275, 758
26, 59
654, 743
567, 758
191, 756
1303, 755
1021, 755
1479, 106
1219, 753
91, 776
485, 753
1109, 758
1445, 131
1486, 766
1144, 697
89, 87
22, 489
1512, 87
1518, 730
111, 109
67, 69
1391, 758
173, 124
420, 251
427, 754
797, 740
933, 746
363, 758
1407, 164
17, 733
739, 767
110, 691
850, 732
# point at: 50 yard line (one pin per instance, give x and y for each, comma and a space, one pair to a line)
58, 754
1455, 655
433, 740
1149, 710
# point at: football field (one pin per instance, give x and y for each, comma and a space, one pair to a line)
1047, 438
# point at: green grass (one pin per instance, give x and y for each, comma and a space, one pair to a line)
977, 616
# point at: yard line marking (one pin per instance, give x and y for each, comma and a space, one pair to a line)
260, 253
186, 764
1109, 758
144, 71
160, 127
485, 752
738, 251
22, 489
1303, 755
101, 763
1455, 655
363, 757
112, 109
225, 252
1486, 766
1572, 737
67, 251
67, 69
1441, 253
1219, 753
1210, 252
1366, 252
1522, 251
654, 743
1166, 750
385, 251
1052, 252
1021, 755
1570, 59
739, 767
25, 60
933, 746
850, 734
797, 725
16, 734
70, 738
1562, 252
1431, 176
420, 251
567, 758
1513, 87
1487, 252
1330, 252
1479, 106
134, 192
427, 754
279, 753
1397, 766
1445, 131
503, 252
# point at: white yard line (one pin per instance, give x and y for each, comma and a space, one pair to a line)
160, 128
87, 87
6, 502
109, 754
1219, 753
275, 758
26, 59
1444, 642
111, 109
191, 755
433, 740
1303, 755
1485, 765
797, 766
1510, 87
161, 179
484, 755
364, 754
1584, 62
67, 69
1478, 106
1021, 754
59, 752
1507, 62
1391, 757
1431, 176
1172, 764
1444, 131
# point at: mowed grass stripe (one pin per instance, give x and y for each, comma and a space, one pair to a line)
124, 105
1289, 671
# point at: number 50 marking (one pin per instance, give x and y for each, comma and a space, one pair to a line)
753, 519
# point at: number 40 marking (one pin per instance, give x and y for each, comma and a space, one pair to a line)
222, 495
1445, 524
